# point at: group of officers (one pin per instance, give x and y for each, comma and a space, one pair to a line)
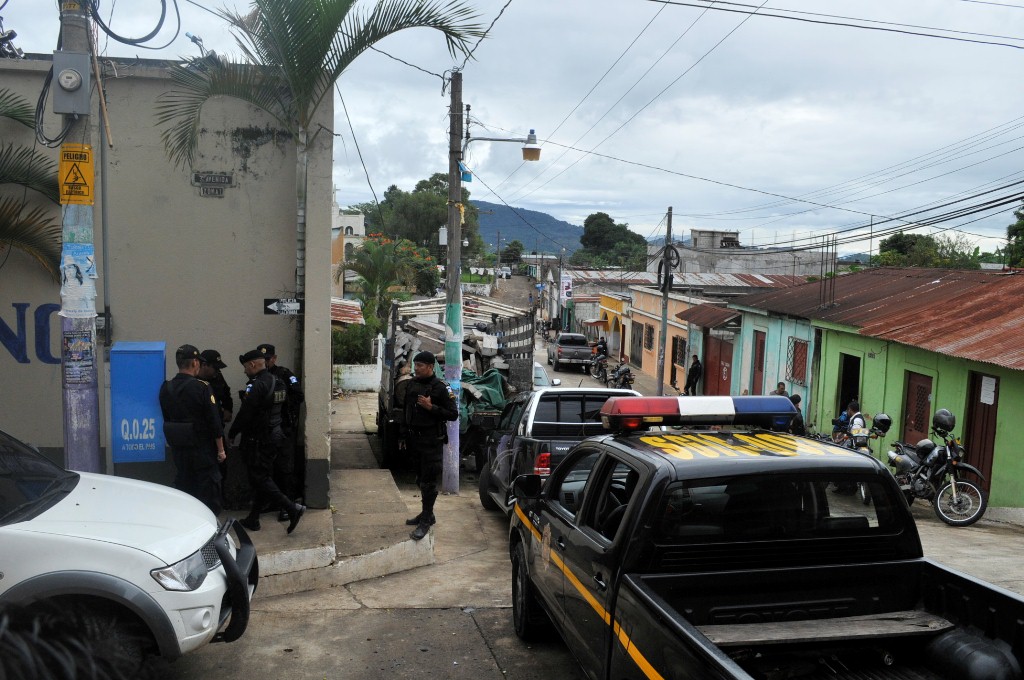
197, 403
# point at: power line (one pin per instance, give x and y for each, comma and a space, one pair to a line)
470, 54
352, 130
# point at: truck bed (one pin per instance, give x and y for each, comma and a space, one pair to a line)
910, 619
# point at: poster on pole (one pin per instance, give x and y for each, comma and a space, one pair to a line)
566, 288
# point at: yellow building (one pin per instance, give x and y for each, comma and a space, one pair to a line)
645, 333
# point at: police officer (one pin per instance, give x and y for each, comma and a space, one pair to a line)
193, 429
429, 403
259, 422
289, 460
210, 364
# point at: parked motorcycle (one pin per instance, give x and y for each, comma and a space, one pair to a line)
621, 378
934, 473
599, 367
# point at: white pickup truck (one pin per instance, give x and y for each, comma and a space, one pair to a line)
145, 564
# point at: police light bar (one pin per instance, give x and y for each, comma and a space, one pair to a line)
622, 414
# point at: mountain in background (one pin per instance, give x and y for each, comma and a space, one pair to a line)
547, 234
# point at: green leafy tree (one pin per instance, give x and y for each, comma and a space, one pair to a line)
352, 345
919, 250
607, 244
295, 51
512, 252
1015, 240
29, 227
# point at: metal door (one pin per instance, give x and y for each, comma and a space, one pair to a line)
918, 407
979, 433
757, 381
717, 367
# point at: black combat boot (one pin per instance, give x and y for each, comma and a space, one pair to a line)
413, 521
421, 530
295, 513
251, 522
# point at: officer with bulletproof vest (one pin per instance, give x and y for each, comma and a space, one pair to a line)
289, 460
193, 429
429, 404
259, 422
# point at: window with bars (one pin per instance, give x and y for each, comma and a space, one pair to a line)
796, 361
648, 336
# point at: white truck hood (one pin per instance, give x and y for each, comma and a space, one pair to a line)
159, 520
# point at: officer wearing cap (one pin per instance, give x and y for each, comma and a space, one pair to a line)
193, 429
259, 422
210, 364
429, 403
289, 461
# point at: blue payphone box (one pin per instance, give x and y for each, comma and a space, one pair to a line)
137, 427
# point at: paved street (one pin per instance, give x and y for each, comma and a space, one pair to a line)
453, 618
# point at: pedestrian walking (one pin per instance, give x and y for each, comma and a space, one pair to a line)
289, 462
693, 376
193, 429
259, 422
429, 404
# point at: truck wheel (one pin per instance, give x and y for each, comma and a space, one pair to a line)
116, 638
528, 618
485, 488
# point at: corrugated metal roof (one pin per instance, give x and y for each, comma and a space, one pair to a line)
983, 323
708, 316
685, 280
346, 311
859, 298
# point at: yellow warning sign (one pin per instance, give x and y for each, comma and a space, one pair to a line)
76, 175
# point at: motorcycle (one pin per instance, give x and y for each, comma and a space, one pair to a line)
620, 378
934, 473
858, 439
599, 367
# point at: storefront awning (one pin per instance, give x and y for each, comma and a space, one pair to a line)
603, 323
708, 316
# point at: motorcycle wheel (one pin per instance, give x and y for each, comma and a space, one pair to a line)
969, 506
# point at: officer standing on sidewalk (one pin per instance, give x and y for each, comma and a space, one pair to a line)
289, 464
429, 404
259, 422
193, 429
210, 364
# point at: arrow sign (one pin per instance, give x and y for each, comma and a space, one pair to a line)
284, 306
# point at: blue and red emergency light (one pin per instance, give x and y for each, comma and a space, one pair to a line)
624, 414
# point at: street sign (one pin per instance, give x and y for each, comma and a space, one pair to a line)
76, 174
283, 306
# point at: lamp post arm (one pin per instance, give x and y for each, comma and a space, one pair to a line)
492, 139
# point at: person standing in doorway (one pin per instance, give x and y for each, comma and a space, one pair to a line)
693, 376
429, 405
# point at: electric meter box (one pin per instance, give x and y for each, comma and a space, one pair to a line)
137, 426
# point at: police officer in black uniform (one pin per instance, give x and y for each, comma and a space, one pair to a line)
210, 364
193, 429
429, 404
260, 419
288, 462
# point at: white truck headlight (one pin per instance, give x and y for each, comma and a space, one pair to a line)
188, 574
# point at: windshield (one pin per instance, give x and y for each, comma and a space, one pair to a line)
540, 377
29, 483
572, 340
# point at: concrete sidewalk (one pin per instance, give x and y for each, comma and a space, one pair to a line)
361, 536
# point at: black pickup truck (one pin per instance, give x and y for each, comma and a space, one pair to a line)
535, 432
728, 550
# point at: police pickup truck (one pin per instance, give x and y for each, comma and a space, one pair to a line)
698, 541
534, 433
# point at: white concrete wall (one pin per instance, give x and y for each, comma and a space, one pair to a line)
356, 377
181, 267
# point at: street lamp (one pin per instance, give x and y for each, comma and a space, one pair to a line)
531, 149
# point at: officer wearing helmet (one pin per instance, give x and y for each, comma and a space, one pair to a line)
429, 404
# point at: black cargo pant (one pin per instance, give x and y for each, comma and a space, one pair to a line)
197, 474
428, 449
260, 457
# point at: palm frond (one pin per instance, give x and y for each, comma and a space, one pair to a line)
32, 232
179, 111
29, 168
17, 108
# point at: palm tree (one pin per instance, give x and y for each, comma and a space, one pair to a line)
295, 51
379, 269
28, 229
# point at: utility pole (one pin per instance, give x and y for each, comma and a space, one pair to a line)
453, 306
79, 356
666, 285
558, 303
497, 264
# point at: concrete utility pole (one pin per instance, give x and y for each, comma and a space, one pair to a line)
453, 306
79, 357
666, 286
497, 264
558, 306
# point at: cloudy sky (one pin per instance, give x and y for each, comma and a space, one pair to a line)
777, 128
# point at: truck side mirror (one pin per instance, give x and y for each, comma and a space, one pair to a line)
556, 382
527, 486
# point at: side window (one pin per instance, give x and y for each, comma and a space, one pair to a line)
570, 490
613, 495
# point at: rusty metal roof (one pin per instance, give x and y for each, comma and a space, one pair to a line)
860, 298
346, 311
708, 316
682, 280
983, 323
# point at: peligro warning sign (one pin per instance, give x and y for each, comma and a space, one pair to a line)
76, 175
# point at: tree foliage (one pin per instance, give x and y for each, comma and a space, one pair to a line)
388, 270
1015, 240
352, 345
418, 214
921, 250
512, 252
607, 244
